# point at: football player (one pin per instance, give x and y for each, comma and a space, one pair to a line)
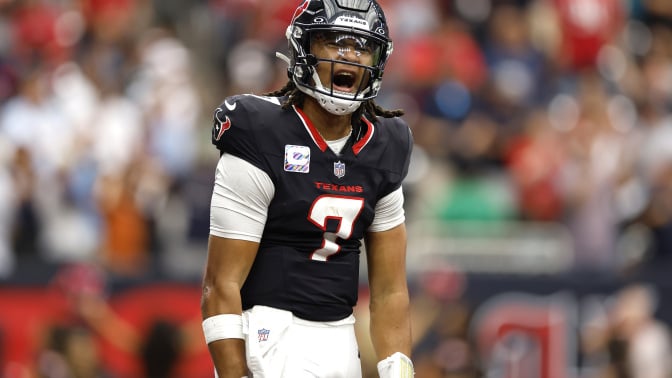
305, 174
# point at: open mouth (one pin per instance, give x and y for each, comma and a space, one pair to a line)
344, 81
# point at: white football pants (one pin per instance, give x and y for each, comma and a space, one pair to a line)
280, 345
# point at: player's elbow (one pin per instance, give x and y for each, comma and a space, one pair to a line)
391, 300
220, 297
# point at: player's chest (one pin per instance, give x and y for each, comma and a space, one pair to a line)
312, 174
320, 201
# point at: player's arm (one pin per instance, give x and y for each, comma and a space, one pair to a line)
227, 266
390, 326
239, 206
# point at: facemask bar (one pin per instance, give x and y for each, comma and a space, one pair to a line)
342, 41
363, 88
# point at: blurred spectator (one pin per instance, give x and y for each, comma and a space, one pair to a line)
534, 158
653, 161
477, 189
126, 231
594, 153
160, 350
165, 89
594, 336
36, 126
515, 65
441, 318
70, 351
158, 346
586, 25
426, 18
34, 31
113, 21
23, 120
447, 52
640, 343
27, 226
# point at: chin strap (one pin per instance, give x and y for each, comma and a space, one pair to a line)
397, 365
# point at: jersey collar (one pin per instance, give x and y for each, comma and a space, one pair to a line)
322, 144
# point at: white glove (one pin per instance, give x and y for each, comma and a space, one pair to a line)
397, 365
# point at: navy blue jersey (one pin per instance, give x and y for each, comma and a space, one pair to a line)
308, 258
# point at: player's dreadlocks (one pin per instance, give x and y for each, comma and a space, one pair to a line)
369, 108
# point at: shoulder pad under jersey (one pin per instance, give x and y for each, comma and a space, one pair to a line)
233, 128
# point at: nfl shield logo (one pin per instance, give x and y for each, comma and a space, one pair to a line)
339, 169
263, 334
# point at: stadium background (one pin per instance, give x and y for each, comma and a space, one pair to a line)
539, 200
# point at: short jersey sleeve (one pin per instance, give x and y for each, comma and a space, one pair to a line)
233, 131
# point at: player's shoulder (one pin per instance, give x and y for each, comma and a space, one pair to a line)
243, 112
391, 146
394, 124
394, 130
248, 104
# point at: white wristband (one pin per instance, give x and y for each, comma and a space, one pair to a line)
397, 365
223, 326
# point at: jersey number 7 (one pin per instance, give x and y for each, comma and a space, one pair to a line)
345, 210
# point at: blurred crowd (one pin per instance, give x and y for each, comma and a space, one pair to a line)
535, 111
529, 111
